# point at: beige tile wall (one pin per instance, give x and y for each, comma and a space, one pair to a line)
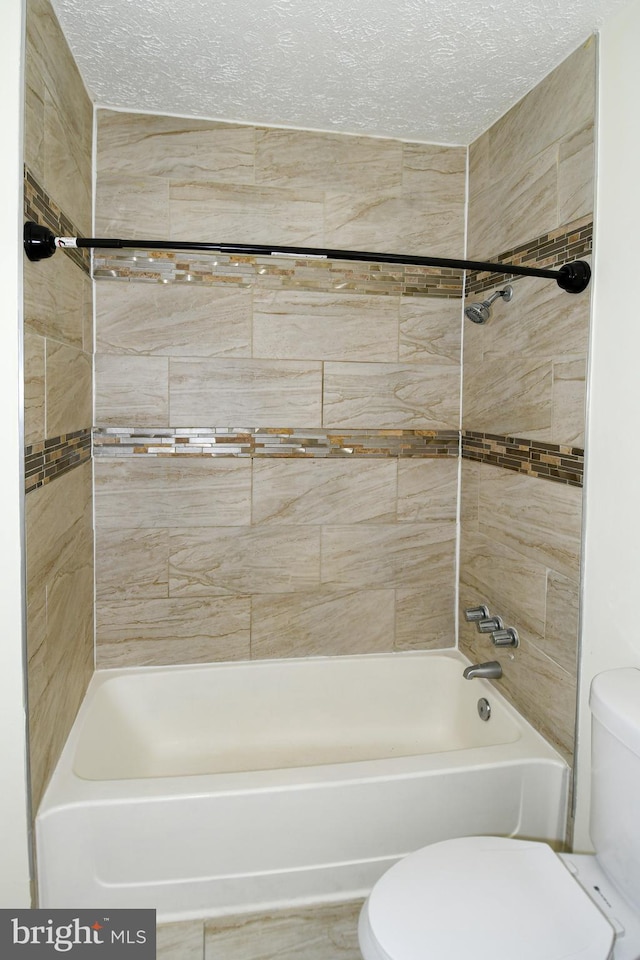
164, 177
59, 614
58, 344
305, 548
524, 376
219, 559
532, 171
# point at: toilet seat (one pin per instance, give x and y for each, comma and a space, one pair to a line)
482, 897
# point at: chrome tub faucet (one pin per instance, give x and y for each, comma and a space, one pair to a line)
485, 671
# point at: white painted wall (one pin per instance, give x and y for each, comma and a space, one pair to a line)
14, 858
610, 630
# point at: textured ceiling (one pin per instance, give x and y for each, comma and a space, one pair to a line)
439, 71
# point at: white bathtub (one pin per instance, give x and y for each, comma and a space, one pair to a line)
216, 789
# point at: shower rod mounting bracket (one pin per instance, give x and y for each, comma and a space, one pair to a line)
40, 243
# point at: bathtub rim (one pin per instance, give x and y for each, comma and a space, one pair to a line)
66, 788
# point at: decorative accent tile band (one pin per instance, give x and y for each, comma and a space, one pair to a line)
39, 207
273, 442
567, 243
45, 461
550, 461
570, 242
280, 273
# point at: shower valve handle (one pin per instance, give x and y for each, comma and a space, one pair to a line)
505, 638
490, 625
473, 614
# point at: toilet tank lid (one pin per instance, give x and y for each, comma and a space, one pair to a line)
615, 703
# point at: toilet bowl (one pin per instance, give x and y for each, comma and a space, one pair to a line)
486, 898
496, 898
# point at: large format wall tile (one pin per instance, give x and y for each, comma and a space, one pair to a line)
541, 321
259, 393
435, 172
135, 208
175, 148
362, 223
254, 349
424, 616
385, 555
491, 405
430, 330
562, 103
491, 569
323, 622
560, 638
325, 161
521, 556
131, 563
390, 395
575, 175
173, 320
530, 174
55, 298
324, 326
533, 170
34, 388
540, 520
525, 370
150, 632
228, 561
521, 206
63, 116
244, 214
68, 389
142, 492
569, 401
320, 491
538, 686
59, 544
427, 490
132, 389
58, 340
73, 178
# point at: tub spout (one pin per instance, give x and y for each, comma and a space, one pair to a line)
488, 671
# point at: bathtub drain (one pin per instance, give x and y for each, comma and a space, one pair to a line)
484, 708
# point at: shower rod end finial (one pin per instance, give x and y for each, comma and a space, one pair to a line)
574, 277
39, 242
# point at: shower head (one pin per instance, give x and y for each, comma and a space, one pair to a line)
480, 312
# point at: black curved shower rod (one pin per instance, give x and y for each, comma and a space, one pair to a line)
40, 244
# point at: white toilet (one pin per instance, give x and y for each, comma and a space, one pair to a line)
475, 898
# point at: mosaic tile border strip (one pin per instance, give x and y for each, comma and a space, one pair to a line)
39, 207
567, 243
570, 242
273, 442
549, 461
44, 462
280, 273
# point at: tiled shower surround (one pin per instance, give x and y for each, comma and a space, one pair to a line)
320, 546
277, 443
524, 377
58, 346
